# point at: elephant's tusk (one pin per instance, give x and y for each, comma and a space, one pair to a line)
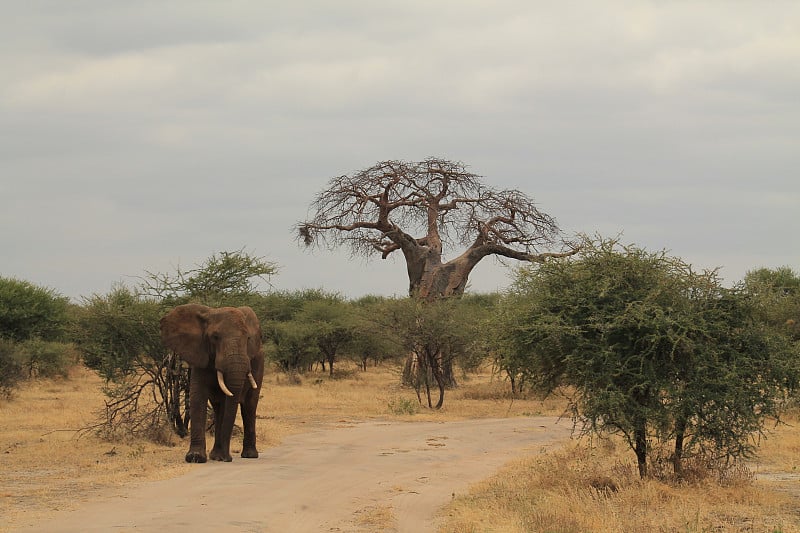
221, 382
252, 381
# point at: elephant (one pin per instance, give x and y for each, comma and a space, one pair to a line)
223, 348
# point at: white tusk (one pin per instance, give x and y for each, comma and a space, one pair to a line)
252, 381
221, 382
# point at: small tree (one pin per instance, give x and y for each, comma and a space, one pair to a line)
28, 311
295, 349
374, 338
435, 333
121, 340
33, 329
653, 350
225, 278
294, 346
776, 296
332, 324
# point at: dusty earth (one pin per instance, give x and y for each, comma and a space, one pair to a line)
368, 476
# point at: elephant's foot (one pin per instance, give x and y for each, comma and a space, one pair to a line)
195, 457
218, 455
250, 453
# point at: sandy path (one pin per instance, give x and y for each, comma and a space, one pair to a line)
325, 480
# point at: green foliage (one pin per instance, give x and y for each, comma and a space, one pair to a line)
33, 358
120, 332
332, 325
403, 406
294, 346
28, 311
776, 294
652, 349
147, 388
373, 337
32, 321
225, 278
436, 333
10, 367
46, 359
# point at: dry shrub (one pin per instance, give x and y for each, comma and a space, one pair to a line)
700, 469
288, 378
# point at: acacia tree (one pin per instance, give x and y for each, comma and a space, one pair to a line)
422, 208
333, 326
652, 350
434, 333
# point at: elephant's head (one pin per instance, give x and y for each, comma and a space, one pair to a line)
227, 338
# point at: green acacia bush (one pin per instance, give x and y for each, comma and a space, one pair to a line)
46, 359
28, 311
33, 322
653, 350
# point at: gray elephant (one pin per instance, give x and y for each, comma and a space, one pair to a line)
223, 348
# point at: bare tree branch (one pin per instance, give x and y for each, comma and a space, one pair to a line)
425, 209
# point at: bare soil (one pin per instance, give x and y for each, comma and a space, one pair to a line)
348, 477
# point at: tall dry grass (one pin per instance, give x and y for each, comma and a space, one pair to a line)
582, 488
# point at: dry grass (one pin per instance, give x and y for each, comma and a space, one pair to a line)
376, 518
582, 488
45, 466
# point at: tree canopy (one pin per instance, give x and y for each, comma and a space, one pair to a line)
424, 210
653, 350
29, 311
223, 278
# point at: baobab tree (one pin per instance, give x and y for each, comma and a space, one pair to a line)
421, 208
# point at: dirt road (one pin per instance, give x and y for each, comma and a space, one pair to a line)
371, 476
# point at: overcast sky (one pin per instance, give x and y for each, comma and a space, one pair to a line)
146, 136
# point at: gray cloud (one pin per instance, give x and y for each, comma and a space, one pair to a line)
139, 136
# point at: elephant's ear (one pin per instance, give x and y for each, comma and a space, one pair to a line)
254, 329
183, 332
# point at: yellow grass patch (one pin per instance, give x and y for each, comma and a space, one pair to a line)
44, 466
579, 488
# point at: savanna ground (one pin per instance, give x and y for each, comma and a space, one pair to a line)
582, 486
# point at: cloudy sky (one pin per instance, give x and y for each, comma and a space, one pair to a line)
145, 136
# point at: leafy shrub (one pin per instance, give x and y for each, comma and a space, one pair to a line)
28, 311
10, 367
403, 406
46, 359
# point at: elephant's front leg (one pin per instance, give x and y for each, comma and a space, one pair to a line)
249, 406
218, 451
198, 400
223, 426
